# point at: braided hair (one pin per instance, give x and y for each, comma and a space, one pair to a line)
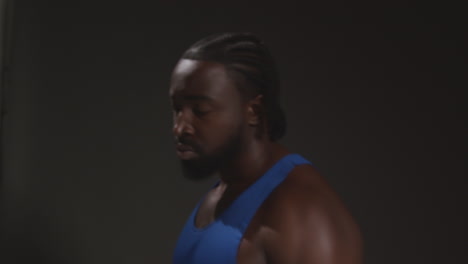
249, 63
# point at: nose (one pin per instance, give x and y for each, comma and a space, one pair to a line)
182, 125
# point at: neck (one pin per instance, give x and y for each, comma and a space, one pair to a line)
250, 164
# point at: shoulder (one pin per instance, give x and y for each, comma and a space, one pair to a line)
304, 195
305, 189
304, 214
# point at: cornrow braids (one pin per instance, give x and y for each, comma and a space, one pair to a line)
250, 64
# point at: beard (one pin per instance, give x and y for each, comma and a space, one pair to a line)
206, 165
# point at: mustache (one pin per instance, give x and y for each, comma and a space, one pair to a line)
186, 141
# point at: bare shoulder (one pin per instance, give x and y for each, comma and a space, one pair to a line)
304, 221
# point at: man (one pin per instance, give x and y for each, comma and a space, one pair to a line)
269, 205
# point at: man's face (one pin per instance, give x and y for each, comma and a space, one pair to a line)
208, 113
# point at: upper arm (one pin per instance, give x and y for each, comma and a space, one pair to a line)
310, 225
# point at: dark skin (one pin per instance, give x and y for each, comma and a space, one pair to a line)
303, 220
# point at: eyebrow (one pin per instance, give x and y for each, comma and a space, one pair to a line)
197, 98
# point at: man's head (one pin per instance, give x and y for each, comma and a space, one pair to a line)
224, 92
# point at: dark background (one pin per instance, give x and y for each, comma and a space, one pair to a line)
373, 96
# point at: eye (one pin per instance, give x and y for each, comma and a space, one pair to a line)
175, 107
200, 110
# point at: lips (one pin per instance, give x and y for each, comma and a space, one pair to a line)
185, 151
183, 147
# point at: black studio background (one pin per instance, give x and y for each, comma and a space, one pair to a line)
372, 92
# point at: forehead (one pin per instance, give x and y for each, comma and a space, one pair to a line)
205, 78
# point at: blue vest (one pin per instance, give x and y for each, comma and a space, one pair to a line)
218, 242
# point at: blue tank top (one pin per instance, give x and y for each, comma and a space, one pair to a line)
219, 241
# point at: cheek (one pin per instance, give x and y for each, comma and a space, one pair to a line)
222, 131
231, 124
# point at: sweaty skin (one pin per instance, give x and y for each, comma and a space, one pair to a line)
303, 220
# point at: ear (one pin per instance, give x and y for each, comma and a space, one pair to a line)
255, 110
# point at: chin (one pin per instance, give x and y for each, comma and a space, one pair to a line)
196, 169
204, 165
